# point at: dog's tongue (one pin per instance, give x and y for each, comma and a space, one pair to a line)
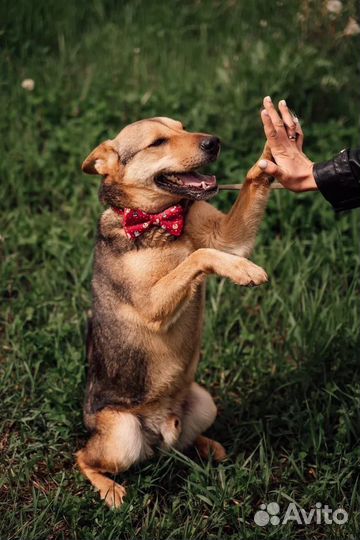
197, 180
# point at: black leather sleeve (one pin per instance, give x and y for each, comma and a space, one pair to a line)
339, 180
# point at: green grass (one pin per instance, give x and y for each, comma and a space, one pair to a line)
282, 361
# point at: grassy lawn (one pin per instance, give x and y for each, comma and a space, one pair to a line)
282, 361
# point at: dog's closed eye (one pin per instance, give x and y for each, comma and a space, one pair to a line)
158, 142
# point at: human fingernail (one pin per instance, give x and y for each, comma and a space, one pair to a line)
282, 103
267, 98
264, 112
262, 163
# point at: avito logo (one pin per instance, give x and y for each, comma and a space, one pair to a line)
269, 513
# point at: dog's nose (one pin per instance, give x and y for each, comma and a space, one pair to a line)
210, 145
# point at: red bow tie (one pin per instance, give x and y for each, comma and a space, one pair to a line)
136, 222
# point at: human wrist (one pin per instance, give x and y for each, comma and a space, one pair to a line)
304, 180
309, 183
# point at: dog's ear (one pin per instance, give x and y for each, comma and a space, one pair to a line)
102, 160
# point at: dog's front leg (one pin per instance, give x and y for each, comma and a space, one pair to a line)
167, 296
237, 230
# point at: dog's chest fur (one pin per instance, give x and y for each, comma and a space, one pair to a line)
131, 362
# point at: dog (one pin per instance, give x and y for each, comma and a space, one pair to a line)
157, 242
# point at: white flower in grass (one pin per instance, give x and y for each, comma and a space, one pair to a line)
28, 84
352, 28
334, 6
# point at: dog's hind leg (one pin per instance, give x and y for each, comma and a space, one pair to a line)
200, 413
110, 491
117, 443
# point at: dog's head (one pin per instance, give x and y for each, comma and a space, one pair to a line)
153, 163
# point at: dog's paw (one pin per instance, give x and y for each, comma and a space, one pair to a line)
113, 495
218, 451
209, 448
258, 178
249, 274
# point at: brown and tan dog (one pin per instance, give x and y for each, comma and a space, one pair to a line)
148, 295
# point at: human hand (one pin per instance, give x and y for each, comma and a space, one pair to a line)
285, 137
